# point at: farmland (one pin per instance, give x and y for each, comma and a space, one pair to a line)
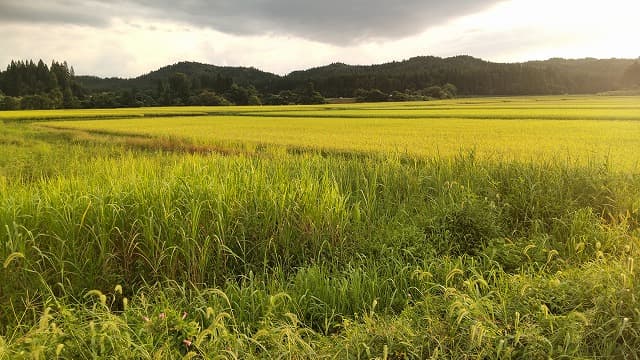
517, 129
473, 228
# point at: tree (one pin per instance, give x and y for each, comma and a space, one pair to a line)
273, 99
373, 95
42, 76
9, 103
238, 95
104, 100
179, 87
62, 74
398, 96
68, 100
254, 100
310, 95
434, 92
163, 93
450, 90
44, 87
287, 97
57, 98
631, 76
208, 98
34, 102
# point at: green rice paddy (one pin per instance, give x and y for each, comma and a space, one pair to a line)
494, 228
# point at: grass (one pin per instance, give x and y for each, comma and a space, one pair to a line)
550, 129
130, 246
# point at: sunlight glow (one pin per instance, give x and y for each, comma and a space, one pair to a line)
511, 31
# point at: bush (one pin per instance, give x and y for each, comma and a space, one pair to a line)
373, 95
9, 103
208, 98
35, 102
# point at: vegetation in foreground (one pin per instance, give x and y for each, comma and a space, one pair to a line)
110, 251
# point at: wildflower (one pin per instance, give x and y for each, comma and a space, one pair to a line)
162, 316
146, 319
187, 342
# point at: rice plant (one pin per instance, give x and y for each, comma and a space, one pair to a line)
114, 248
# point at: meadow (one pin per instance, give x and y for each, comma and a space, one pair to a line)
489, 228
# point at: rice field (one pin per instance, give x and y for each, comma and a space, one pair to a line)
573, 130
494, 228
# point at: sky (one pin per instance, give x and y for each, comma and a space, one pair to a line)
127, 38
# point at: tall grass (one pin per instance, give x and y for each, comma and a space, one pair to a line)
147, 254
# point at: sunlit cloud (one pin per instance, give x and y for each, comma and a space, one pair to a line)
507, 31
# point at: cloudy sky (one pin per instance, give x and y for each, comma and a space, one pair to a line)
127, 38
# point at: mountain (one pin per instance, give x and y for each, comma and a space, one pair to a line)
31, 85
472, 76
243, 76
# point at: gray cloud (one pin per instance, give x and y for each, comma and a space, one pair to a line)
53, 12
339, 22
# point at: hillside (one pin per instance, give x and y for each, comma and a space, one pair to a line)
472, 76
27, 85
242, 76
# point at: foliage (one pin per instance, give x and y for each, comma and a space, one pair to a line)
419, 78
122, 242
39, 86
32, 87
373, 95
208, 98
631, 76
470, 75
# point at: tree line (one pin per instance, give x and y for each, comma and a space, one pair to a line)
30, 85
475, 77
27, 85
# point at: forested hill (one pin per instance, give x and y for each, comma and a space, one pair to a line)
473, 76
199, 74
27, 85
